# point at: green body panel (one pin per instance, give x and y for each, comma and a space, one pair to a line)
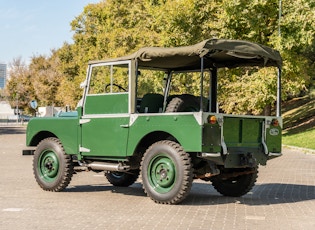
105, 136
242, 132
106, 103
64, 128
211, 136
183, 127
274, 139
247, 139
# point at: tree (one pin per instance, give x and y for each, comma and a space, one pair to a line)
257, 21
115, 28
19, 87
46, 79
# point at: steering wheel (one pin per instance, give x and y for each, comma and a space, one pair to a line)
116, 85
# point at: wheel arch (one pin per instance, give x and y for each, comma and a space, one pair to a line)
151, 138
39, 137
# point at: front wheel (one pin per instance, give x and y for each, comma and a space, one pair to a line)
166, 172
52, 167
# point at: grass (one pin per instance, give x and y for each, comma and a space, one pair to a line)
304, 139
299, 122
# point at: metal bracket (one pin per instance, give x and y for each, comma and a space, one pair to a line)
84, 150
84, 121
124, 126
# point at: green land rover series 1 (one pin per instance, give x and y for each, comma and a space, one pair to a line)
137, 116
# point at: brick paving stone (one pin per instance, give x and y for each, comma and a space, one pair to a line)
283, 198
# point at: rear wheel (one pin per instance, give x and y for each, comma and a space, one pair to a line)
122, 179
52, 167
166, 172
235, 186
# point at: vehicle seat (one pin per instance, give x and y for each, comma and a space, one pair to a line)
151, 103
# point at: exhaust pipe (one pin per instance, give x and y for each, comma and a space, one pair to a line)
104, 166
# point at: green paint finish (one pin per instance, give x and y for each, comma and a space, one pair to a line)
211, 138
274, 139
106, 103
183, 127
242, 132
162, 173
105, 136
64, 128
48, 165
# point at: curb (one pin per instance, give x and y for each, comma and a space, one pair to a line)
305, 150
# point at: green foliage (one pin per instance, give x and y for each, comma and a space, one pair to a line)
238, 96
19, 87
258, 21
115, 28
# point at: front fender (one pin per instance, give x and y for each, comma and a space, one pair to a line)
64, 128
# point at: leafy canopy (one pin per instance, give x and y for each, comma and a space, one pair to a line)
115, 28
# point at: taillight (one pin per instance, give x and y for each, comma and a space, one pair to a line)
212, 120
275, 122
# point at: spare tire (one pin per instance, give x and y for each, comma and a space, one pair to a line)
183, 103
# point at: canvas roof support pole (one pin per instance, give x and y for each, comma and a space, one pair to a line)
136, 79
213, 90
278, 113
167, 88
201, 82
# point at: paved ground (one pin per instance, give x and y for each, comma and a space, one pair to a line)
283, 198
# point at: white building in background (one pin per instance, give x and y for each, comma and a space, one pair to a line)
3, 75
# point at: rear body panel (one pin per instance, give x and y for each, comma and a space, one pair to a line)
242, 141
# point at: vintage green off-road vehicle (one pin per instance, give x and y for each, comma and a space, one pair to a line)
169, 129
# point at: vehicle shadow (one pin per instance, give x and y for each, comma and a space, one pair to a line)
133, 190
205, 194
261, 194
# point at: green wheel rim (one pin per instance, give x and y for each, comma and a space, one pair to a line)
162, 173
48, 165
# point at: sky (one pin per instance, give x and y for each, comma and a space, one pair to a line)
34, 27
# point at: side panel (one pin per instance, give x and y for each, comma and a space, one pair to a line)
105, 125
184, 127
65, 129
274, 139
105, 136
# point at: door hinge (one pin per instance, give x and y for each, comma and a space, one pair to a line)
83, 121
84, 150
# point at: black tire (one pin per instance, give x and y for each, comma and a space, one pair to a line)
52, 167
183, 103
122, 179
166, 172
235, 186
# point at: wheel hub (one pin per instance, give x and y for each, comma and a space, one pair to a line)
162, 173
48, 165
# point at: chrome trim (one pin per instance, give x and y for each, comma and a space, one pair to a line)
115, 115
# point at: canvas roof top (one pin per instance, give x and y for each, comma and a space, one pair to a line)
216, 52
